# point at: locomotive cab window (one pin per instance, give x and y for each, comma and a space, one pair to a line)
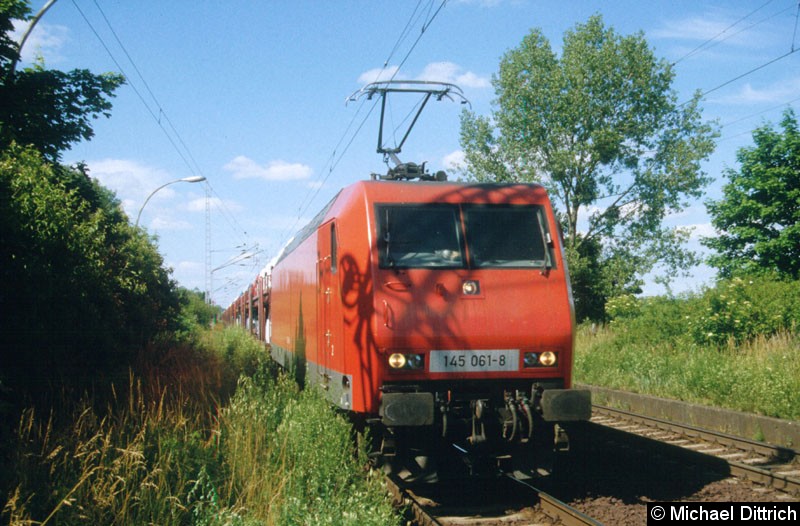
412, 236
507, 236
430, 236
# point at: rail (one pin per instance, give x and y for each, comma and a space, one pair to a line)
767, 464
425, 512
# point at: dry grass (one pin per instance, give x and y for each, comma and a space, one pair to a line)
173, 448
116, 468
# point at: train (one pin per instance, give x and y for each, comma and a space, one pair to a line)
437, 314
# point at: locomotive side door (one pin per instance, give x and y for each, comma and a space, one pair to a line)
331, 354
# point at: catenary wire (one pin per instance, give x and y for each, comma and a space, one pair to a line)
754, 24
336, 156
334, 159
193, 166
708, 42
135, 89
746, 73
161, 111
403, 35
182, 153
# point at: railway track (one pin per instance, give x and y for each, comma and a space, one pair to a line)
529, 505
560, 511
631, 460
774, 466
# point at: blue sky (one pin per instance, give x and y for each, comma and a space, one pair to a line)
251, 95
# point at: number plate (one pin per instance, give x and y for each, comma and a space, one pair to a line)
474, 361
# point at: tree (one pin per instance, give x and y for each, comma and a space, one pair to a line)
10, 10
601, 129
195, 313
48, 109
758, 217
81, 287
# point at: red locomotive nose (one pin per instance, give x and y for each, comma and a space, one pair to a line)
440, 307
413, 304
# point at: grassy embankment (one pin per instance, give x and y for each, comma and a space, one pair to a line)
185, 442
735, 346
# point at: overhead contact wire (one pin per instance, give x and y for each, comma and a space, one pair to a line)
334, 159
193, 166
715, 37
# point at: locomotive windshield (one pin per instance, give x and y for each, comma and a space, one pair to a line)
433, 236
420, 236
500, 236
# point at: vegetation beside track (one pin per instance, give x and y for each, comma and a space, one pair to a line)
116, 405
185, 443
736, 345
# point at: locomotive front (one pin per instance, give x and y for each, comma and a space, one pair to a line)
429, 308
473, 320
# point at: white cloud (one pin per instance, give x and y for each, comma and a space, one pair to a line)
454, 160
45, 40
131, 181
435, 71
377, 75
717, 27
701, 230
314, 185
454, 74
245, 168
693, 28
773, 94
717, 34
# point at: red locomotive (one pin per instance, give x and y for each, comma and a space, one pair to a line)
429, 309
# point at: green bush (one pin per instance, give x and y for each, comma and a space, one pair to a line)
653, 319
195, 314
624, 306
739, 309
82, 288
735, 345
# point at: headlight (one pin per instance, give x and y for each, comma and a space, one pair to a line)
547, 358
543, 359
406, 361
397, 361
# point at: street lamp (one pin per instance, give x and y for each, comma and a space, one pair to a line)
27, 33
193, 179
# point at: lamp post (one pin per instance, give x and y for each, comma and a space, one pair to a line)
193, 179
25, 36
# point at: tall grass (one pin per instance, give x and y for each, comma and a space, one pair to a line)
131, 465
734, 346
293, 461
186, 443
